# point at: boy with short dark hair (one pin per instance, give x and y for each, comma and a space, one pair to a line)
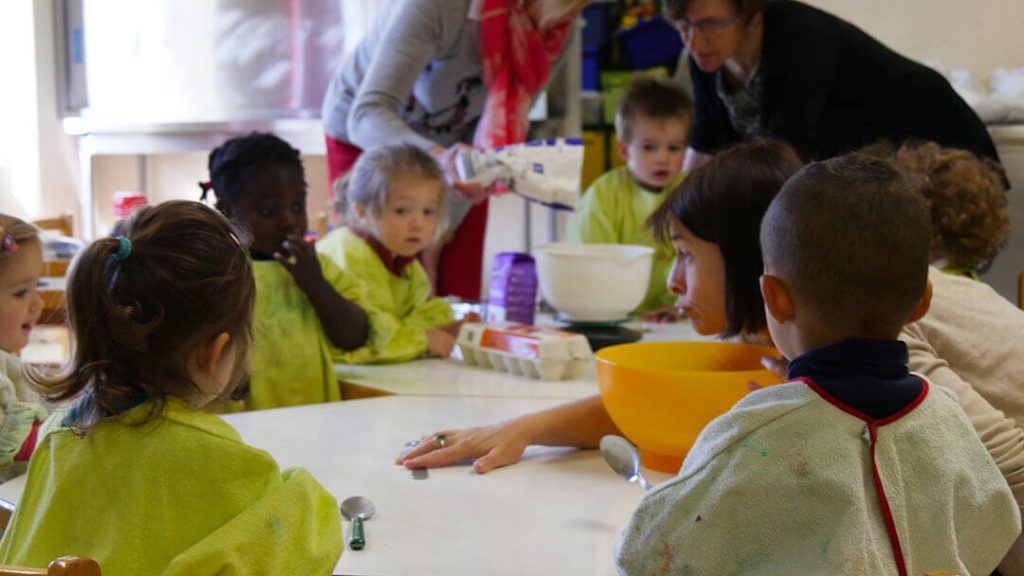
855, 465
651, 123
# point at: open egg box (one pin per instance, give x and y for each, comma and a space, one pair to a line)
534, 352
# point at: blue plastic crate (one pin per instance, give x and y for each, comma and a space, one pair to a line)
598, 19
650, 43
591, 63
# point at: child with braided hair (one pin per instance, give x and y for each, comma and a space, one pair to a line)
306, 306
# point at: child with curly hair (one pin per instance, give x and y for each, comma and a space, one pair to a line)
970, 219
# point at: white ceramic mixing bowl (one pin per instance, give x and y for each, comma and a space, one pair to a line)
594, 282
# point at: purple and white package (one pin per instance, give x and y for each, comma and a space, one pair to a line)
513, 293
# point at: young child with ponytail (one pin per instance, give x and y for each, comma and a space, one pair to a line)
134, 473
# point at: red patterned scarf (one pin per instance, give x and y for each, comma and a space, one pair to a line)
517, 59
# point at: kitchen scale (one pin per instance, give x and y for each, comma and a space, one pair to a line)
599, 333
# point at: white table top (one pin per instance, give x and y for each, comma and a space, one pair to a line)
558, 511
450, 377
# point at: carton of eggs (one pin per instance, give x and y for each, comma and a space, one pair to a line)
534, 352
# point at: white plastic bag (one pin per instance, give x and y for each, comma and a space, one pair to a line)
1008, 88
545, 171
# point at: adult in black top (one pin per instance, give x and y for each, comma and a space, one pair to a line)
783, 69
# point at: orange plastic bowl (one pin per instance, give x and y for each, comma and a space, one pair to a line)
662, 394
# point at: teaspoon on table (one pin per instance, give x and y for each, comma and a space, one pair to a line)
623, 457
357, 509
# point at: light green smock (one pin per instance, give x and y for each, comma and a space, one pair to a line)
400, 309
291, 356
181, 494
613, 211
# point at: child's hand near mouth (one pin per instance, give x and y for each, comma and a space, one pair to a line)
299, 258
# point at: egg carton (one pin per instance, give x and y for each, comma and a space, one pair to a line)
527, 350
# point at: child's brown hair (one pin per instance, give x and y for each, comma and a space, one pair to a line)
14, 233
142, 303
722, 202
970, 218
654, 98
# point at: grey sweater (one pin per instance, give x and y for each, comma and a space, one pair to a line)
416, 77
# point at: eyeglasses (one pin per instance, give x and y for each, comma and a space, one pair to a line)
708, 27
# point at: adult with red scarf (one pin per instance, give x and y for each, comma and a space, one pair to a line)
442, 74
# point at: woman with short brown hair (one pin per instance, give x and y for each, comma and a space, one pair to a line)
786, 70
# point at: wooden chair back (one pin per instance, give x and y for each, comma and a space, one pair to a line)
64, 224
56, 268
54, 308
53, 300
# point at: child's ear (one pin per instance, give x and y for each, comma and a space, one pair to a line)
359, 209
922, 305
777, 300
211, 353
624, 150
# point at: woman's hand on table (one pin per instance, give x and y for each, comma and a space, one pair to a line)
489, 447
580, 423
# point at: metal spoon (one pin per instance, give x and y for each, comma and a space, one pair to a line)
357, 509
622, 456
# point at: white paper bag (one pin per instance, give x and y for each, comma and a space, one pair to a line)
545, 171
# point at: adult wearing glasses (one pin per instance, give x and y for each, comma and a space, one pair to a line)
783, 69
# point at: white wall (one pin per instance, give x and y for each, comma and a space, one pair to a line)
38, 165
1006, 268
58, 160
19, 159
975, 35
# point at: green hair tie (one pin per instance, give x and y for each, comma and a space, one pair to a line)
124, 250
